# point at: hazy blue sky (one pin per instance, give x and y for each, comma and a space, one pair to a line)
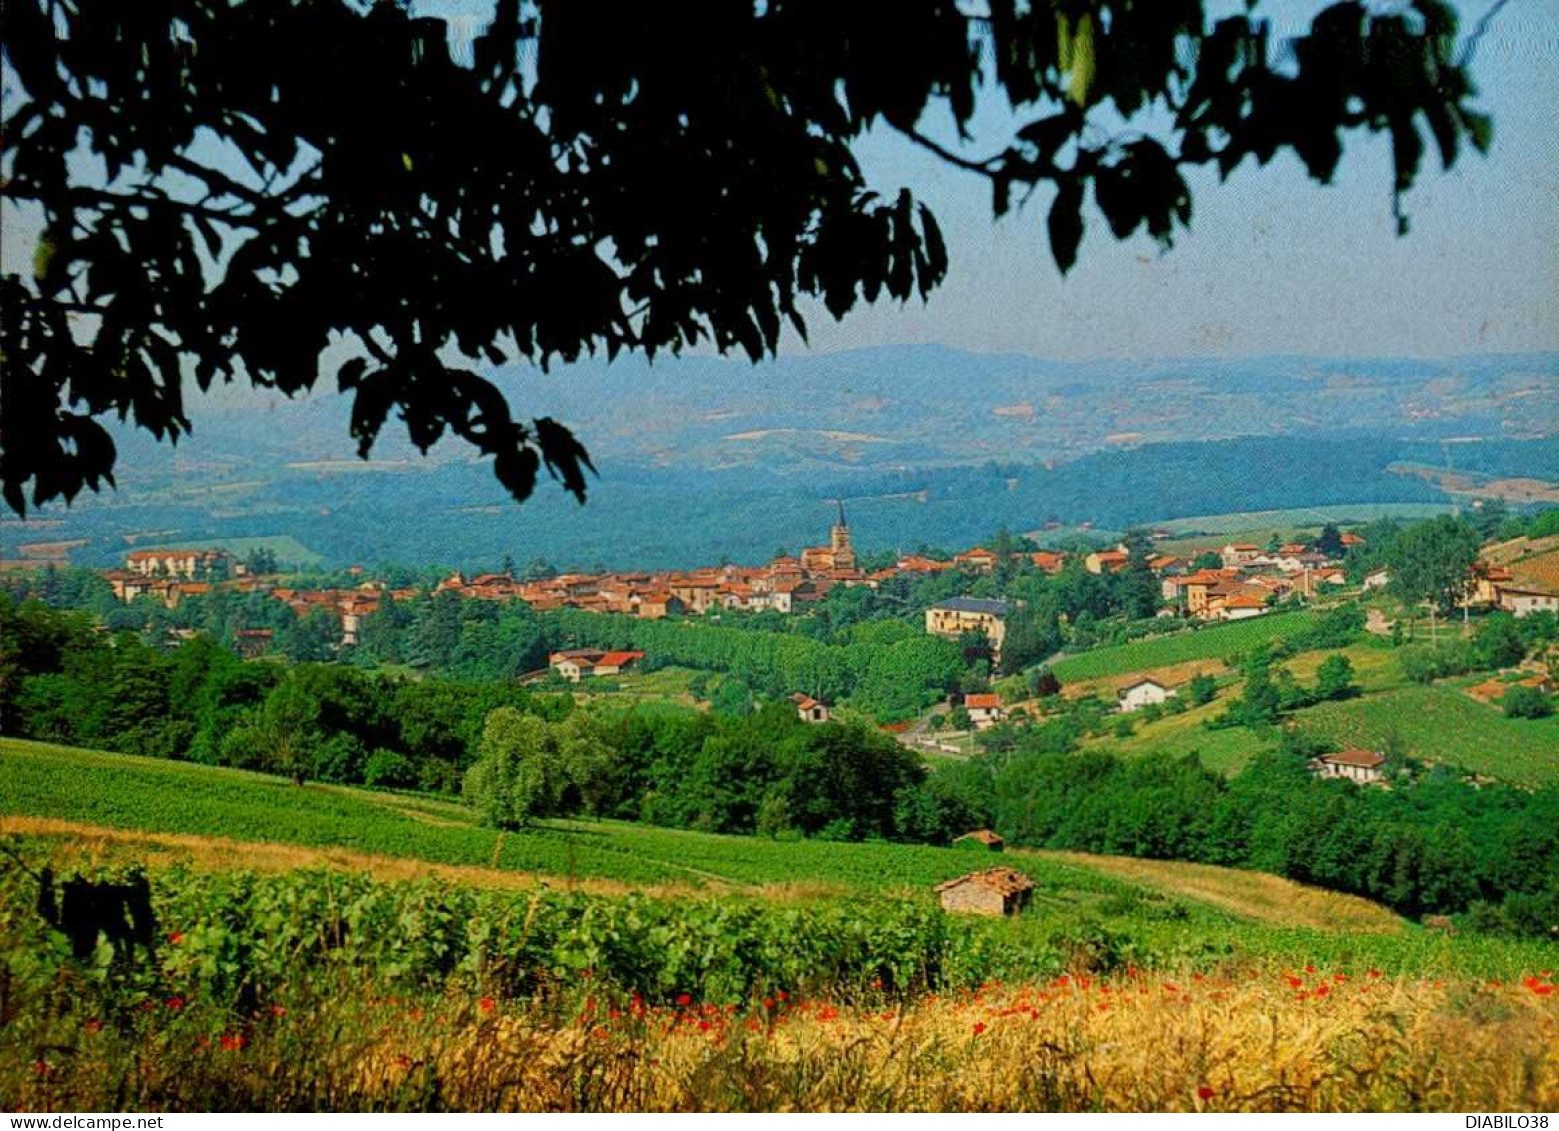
1274, 263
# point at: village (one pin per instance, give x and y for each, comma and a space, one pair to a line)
1237, 581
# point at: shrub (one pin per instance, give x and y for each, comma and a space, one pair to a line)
1526, 703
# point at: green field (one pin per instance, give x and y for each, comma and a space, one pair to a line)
1200, 532
1436, 724
1442, 724
1216, 642
284, 546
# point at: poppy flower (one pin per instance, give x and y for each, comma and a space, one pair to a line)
486, 1005
1309, 969
1205, 1093
684, 999
93, 1026
278, 1011
232, 1042
1294, 983
979, 1027
175, 1003
175, 938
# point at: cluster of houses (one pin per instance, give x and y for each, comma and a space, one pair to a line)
786, 585
1519, 576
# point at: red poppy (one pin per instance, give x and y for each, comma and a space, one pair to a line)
684, 999
486, 1005
403, 1061
1374, 973
175, 1003
93, 1026
1309, 969
1322, 990
43, 1068
768, 1003
278, 1011
1205, 1093
1294, 983
587, 973
175, 938
232, 1042
782, 995
876, 983
979, 1027
1543, 990
703, 1026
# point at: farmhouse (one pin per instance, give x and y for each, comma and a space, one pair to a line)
958, 615
985, 711
1377, 578
580, 663
1135, 696
1106, 561
982, 839
809, 709
1237, 554
1522, 600
995, 891
978, 560
1353, 764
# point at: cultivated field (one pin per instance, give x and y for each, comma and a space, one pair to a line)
1215, 643
1443, 724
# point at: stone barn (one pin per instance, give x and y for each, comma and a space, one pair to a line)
982, 839
995, 891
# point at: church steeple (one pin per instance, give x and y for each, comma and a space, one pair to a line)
839, 542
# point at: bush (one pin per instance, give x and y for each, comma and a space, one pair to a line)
1526, 703
389, 769
1202, 689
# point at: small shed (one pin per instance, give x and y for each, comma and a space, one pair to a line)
809, 710
995, 891
980, 839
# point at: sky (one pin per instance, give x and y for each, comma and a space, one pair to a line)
1273, 264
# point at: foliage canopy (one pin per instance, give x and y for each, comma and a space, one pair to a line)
268, 189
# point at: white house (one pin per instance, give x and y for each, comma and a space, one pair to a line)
1524, 600
985, 711
1353, 764
1377, 578
1135, 696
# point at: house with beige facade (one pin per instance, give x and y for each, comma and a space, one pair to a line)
959, 615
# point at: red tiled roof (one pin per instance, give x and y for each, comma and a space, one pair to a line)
982, 702
618, 659
1353, 756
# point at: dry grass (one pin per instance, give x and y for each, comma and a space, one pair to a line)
1301, 1041
1252, 895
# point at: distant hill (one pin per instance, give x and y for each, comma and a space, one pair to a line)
704, 458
